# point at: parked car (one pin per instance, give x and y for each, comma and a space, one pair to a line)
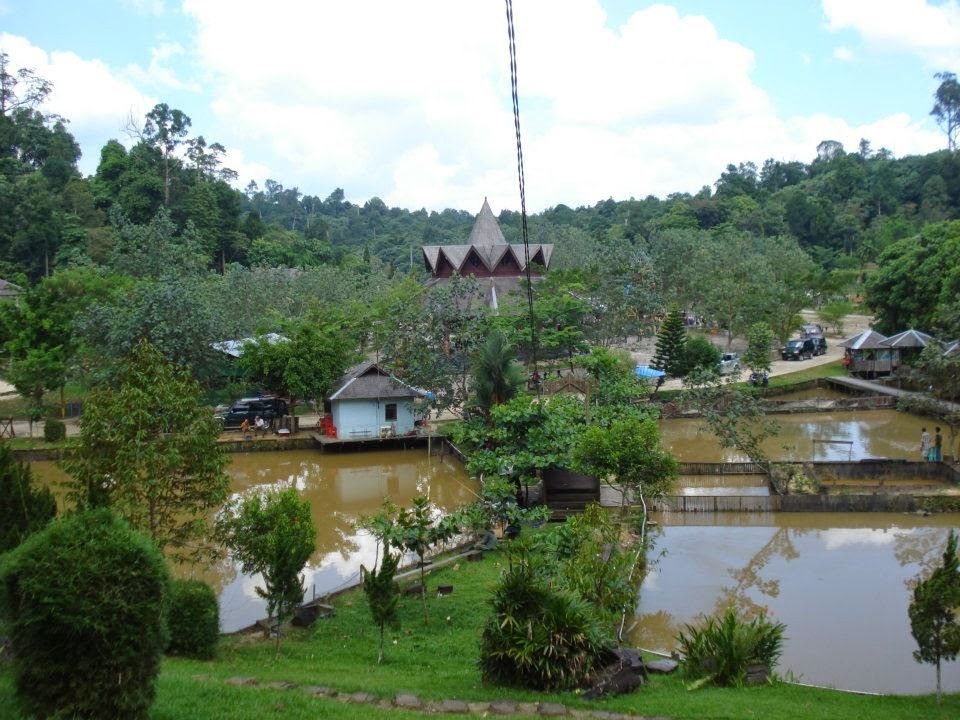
820, 345
250, 408
799, 349
729, 363
811, 330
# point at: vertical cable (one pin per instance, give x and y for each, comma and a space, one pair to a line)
523, 190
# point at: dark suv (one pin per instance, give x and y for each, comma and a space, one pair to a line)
799, 349
250, 408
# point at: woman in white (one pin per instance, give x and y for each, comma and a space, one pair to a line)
924, 444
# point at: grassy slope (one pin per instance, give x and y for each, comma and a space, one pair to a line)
439, 662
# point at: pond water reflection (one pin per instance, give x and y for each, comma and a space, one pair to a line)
340, 487
839, 581
870, 433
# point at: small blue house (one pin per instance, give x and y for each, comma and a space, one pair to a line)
370, 402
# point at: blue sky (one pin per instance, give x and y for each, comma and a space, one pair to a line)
409, 101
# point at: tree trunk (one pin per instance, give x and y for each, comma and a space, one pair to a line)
380, 655
423, 591
166, 180
939, 690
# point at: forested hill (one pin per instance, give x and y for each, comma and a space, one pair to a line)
843, 207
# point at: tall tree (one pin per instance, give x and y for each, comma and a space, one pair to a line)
946, 106
32, 92
933, 613
670, 342
166, 129
148, 448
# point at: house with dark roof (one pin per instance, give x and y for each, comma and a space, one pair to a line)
370, 402
487, 256
9, 291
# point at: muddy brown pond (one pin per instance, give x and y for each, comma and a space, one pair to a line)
841, 582
340, 487
810, 436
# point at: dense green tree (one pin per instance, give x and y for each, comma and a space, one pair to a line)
670, 343
933, 612
165, 129
148, 449
305, 363
759, 343
382, 593
24, 509
496, 376
273, 535
914, 277
628, 455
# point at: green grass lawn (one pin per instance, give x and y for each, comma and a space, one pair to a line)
814, 373
439, 661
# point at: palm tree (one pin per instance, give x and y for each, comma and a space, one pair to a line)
496, 377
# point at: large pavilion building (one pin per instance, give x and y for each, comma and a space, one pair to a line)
487, 256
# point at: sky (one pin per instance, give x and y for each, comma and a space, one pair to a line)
410, 101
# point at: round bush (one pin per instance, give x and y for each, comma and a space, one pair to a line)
539, 637
84, 603
54, 430
193, 619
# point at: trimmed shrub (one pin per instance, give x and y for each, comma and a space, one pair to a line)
23, 508
54, 430
193, 619
539, 637
721, 650
699, 354
84, 601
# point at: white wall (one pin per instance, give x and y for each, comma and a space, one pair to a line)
358, 418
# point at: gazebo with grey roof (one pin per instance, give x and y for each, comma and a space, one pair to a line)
867, 355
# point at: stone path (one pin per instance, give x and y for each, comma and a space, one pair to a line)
408, 701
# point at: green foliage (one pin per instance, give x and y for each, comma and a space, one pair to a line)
54, 430
723, 647
274, 535
419, 529
670, 344
933, 612
148, 449
382, 593
698, 354
759, 341
915, 275
193, 618
89, 643
315, 353
628, 455
538, 636
595, 564
735, 416
496, 377
24, 509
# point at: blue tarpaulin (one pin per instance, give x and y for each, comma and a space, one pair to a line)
645, 371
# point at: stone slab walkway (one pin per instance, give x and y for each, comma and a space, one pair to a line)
410, 702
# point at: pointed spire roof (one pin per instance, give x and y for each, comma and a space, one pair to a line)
486, 229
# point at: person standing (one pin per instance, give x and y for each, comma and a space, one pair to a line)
924, 444
938, 446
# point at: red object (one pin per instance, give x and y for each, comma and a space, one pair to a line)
332, 431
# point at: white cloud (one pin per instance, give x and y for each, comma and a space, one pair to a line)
836, 538
158, 73
843, 53
411, 101
931, 31
805, 58
95, 99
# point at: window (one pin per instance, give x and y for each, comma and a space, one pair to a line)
391, 411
